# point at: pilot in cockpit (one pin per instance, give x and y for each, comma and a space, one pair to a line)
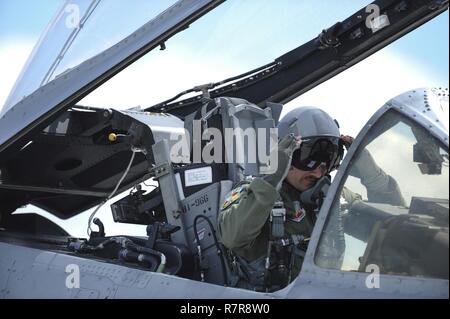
264, 224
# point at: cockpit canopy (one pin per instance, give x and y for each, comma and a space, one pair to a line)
80, 30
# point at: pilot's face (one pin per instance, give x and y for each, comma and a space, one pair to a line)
302, 180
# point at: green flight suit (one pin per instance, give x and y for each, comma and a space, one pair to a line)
244, 227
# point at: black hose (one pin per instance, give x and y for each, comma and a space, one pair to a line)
211, 85
216, 243
173, 99
130, 247
101, 227
149, 251
128, 255
266, 66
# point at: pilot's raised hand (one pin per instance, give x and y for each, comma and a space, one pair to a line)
380, 186
285, 149
347, 140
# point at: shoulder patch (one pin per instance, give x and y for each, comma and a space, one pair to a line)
234, 196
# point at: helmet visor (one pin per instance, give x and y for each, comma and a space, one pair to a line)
316, 151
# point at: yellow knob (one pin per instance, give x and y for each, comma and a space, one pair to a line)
112, 137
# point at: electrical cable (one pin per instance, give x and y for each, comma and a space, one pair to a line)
216, 243
91, 217
211, 85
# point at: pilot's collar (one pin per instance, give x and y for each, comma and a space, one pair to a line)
289, 194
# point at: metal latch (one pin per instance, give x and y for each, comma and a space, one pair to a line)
278, 210
160, 170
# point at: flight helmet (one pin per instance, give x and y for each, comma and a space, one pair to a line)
321, 139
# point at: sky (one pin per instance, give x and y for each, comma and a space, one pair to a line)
234, 38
